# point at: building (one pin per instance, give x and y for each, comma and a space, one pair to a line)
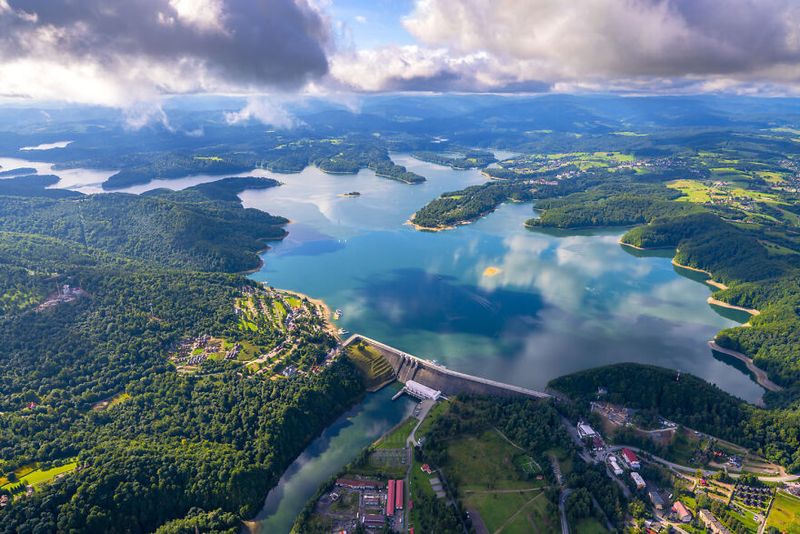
415, 389
358, 484
372, 500
714, 525
656, 499
630, 458
637, 478
681, 512
398, 495
615, 468
374, 520
585, 431
390, 499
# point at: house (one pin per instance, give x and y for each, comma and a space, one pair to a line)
656, 499
637, 478
630, 458
374, 520
615, 468
681, 512
585, 431
426, 468
714, 525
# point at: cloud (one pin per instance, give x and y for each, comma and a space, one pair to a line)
264, 110
115, 52
590, 45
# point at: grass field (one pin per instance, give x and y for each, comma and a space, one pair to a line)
589, 525
373, 367
437, 410
484, 462
497, 508
785, 513
118, 399
33, 476
397, 439
539, 516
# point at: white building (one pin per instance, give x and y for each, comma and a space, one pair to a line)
585, 431
421, 391
615, 466
637, 478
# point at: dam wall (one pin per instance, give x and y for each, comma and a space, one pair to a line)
408, 367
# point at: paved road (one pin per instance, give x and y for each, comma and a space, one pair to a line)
563, 512
678, 467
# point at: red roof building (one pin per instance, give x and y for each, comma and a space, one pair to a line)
390, 499
399, 495
630, 458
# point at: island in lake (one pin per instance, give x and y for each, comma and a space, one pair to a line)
351, 194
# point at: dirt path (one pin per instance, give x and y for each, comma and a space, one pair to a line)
513, 517
505, 491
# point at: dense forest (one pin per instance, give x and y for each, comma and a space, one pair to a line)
469, 160
212, 236
178, 451
459, 206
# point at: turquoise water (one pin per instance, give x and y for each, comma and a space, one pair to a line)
560, 303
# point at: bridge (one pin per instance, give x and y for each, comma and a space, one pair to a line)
409, 367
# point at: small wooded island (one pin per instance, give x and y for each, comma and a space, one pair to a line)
352, 194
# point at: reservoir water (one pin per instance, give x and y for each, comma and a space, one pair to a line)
556, 303
491, 298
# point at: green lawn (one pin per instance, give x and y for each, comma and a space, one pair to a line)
542, 514
497, 508
785, 513
397, 439
372, 365
437, 410
37, 476
484, 462
589, 525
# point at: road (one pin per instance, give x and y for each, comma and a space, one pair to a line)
563, 512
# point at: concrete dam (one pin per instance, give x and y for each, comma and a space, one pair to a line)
408, 367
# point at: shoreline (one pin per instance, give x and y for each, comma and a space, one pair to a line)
760, 374
317, 302
710, 280
751, 311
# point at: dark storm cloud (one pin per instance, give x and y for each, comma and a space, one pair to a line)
270, 42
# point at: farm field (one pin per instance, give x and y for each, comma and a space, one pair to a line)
785, 513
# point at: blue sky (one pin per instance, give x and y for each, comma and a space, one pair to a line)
374, 23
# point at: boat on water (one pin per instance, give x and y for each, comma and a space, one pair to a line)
342, 332
337, 314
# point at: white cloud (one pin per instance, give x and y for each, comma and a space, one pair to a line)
671, 46
205, 15
264, 110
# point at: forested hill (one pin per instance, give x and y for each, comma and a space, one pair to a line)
693, 402
199, 236
175, 449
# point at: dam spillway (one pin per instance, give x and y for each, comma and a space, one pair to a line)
409, 367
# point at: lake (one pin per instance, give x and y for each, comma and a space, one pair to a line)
491, 298
559, 301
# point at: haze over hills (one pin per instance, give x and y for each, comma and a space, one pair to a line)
289, 266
